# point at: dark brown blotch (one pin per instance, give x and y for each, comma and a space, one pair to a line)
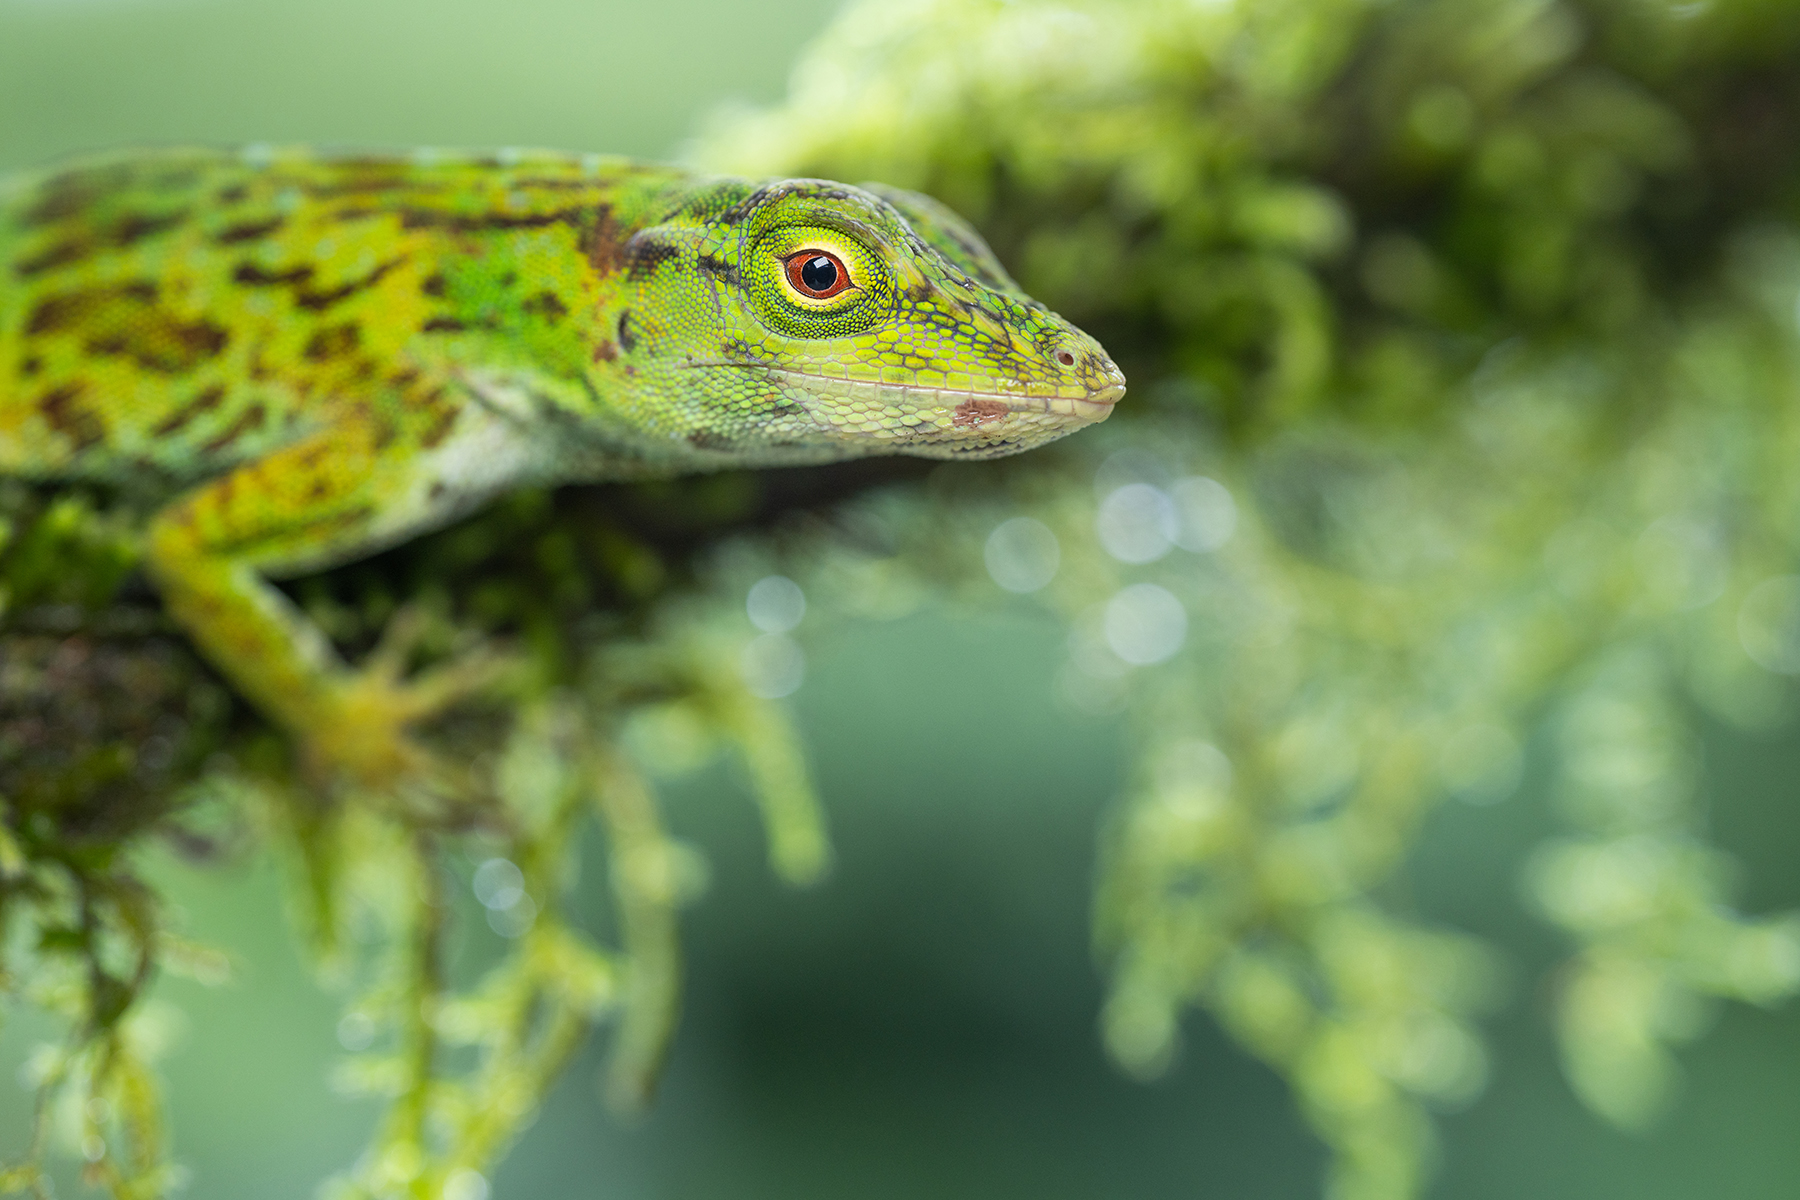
726, 273
604, 241
62, 254
547, 305
556, 185
72, 193
248, 231
319, 301
66, 310
627, 339
251, 275
431, 218
382, 429
737, 213
249, 421
135, 227
364, 176
63, 411
442, 420
208, 399
160, 342
644, 254
124, 320
721, 202
334, 341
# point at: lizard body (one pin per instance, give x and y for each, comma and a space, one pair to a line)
305, 358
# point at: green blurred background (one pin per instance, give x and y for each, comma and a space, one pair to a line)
924, 1023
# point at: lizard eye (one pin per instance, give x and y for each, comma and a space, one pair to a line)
816, 274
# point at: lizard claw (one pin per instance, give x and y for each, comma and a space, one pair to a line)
362, 733
399, 638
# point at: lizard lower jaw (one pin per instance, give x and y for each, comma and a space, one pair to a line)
867, 416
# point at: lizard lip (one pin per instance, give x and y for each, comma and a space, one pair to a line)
1096, 405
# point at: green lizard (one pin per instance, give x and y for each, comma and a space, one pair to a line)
305, 358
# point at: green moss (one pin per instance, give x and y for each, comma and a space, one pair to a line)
1483, 316
1464, 364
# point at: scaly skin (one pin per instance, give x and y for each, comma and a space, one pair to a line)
310, 358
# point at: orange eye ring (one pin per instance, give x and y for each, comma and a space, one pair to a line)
816, 274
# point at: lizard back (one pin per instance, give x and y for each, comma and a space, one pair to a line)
168, 314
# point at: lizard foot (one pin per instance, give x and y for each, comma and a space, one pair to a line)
362, 732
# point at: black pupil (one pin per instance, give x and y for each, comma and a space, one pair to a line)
819, 273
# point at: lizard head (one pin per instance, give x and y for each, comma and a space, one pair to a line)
811, 320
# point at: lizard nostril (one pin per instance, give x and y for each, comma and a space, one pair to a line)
1065, 358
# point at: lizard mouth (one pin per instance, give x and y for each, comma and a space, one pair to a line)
971, 405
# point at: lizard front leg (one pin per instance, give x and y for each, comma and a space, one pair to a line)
341, 492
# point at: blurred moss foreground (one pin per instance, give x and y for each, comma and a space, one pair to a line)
1465, 402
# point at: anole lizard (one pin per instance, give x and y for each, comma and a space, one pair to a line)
307, 358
